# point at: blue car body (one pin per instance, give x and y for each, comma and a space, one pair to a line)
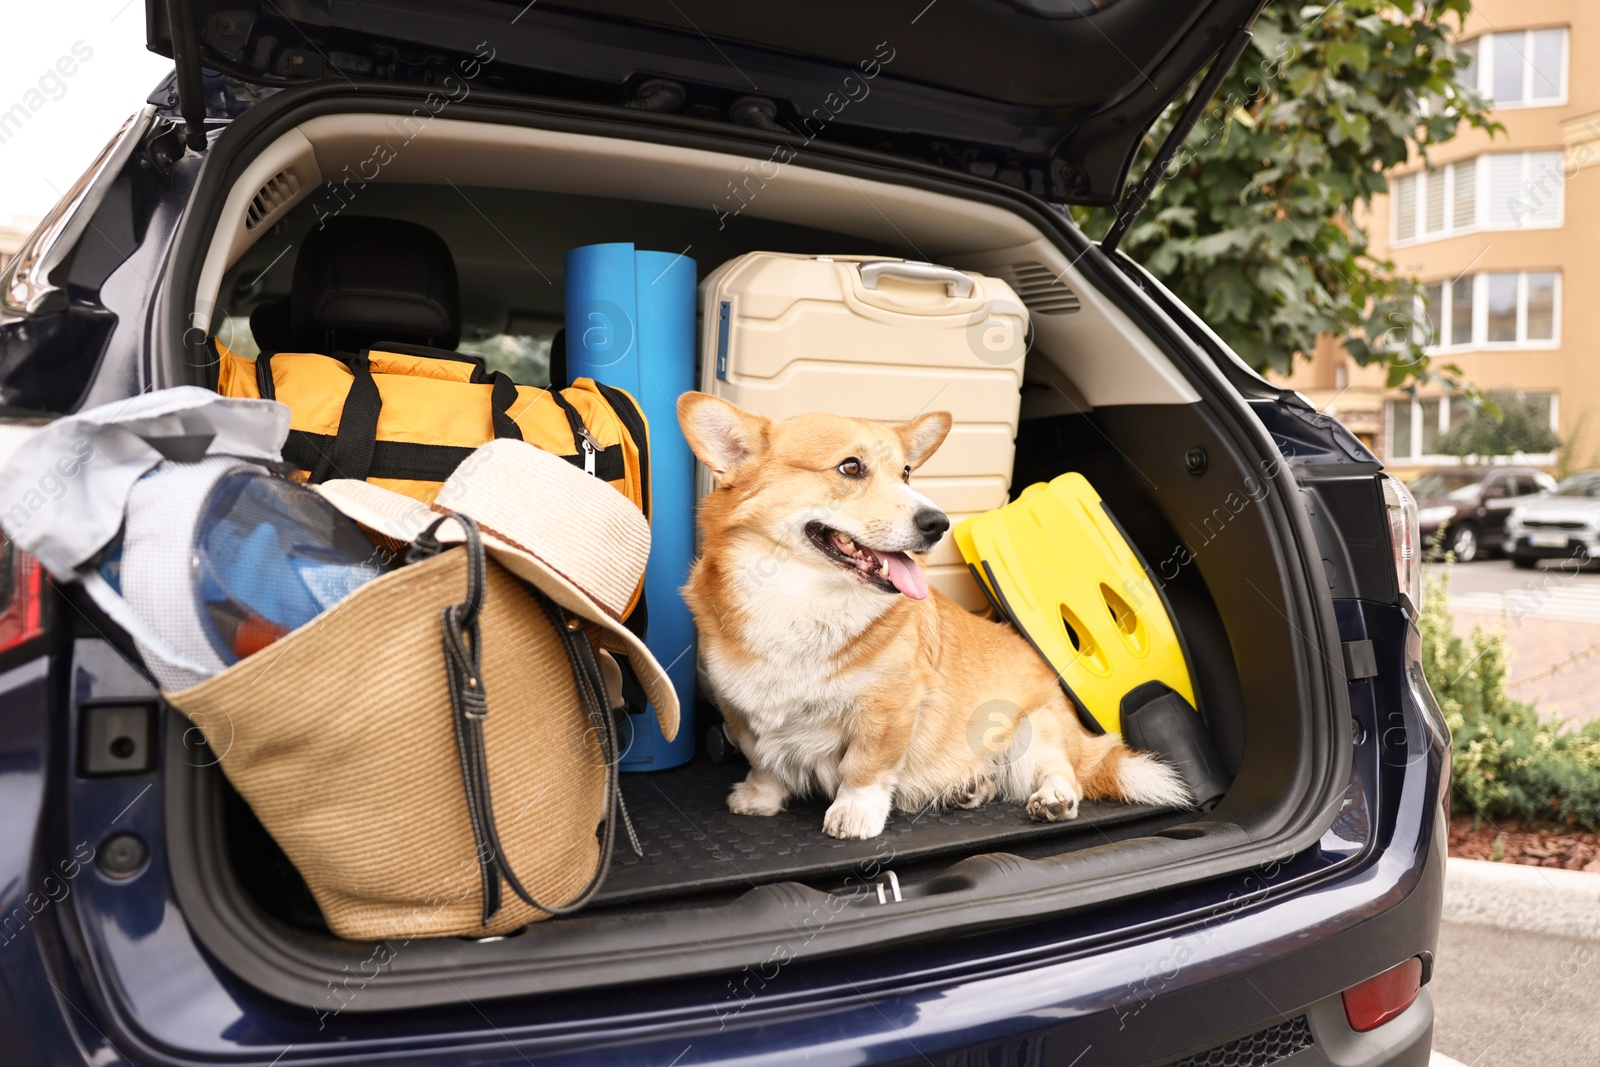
102, 963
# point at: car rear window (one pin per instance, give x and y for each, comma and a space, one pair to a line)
1443, 483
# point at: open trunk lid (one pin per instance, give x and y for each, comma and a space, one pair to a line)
1052, 96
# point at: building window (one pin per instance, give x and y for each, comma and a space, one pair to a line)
1505, 191
1414, 426
1522, 68
1524, 190
1502, 293
1514, 309
1398, 421
1428, 324
1405, 208
1435, 198
1430, 429
1540, 303
1464, 214
1460, 324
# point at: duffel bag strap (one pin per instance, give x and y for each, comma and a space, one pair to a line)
357, 439
358, 427
502, 394
469, 704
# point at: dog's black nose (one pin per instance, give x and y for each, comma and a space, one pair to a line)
932, 522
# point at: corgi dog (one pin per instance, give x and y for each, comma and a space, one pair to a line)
838, 670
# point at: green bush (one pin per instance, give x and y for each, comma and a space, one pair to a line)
1508, 763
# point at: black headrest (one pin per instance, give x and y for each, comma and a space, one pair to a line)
361, 280
269, 325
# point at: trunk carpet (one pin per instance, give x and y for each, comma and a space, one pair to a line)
693, 843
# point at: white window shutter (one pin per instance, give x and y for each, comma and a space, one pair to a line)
1436, 202
1405, 208
1544, 189
1464, 211
1504, 192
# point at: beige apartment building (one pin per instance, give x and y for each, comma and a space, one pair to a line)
1504, 232
13, 232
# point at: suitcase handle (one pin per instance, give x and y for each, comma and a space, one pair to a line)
957, 284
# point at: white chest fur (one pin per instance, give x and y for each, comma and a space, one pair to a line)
796, 620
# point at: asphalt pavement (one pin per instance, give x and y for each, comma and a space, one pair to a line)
1516, 979
1551, 619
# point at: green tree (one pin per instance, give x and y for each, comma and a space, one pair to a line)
1504, 425
1255, 223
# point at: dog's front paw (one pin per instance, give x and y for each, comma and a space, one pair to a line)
756, 795
1055, 800
858, 813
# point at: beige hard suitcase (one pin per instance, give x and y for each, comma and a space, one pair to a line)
878, 338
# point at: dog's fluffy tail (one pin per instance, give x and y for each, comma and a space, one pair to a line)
1135, 778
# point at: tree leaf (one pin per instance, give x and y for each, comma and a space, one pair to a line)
1256, 224
1352, 53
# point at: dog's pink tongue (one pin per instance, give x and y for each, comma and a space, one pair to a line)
906, 575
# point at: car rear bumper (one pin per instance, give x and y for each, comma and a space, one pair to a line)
1215, 1008
1579, 544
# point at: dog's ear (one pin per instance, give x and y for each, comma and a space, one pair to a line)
923, 435
724, 436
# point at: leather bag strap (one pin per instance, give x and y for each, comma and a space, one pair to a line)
459, 624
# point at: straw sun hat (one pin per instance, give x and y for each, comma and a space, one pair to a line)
574, 537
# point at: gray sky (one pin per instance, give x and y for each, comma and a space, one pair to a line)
66, 118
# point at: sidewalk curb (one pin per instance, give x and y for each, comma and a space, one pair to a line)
1515, 896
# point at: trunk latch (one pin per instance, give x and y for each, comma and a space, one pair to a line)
889, 888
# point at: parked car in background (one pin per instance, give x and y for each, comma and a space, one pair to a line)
1472, 504
1564, 524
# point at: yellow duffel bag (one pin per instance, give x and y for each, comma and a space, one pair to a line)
404, 417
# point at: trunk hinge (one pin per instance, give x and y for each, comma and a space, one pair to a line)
1136, 200
186, 61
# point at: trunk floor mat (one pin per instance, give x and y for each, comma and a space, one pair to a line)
693, 843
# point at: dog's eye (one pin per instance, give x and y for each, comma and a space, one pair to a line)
852, 468
905, 475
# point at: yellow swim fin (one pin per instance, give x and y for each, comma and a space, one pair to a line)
1057, 567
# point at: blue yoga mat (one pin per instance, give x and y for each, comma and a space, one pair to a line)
630, 324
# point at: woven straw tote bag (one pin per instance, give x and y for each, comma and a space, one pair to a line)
435, 753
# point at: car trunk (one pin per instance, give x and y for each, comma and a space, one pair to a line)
1111, 390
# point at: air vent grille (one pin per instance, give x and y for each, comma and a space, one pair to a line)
1260, 1049
278, 193
1040, 289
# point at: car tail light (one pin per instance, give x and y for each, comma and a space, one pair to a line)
21, 596
1377, 1000
1405, 537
